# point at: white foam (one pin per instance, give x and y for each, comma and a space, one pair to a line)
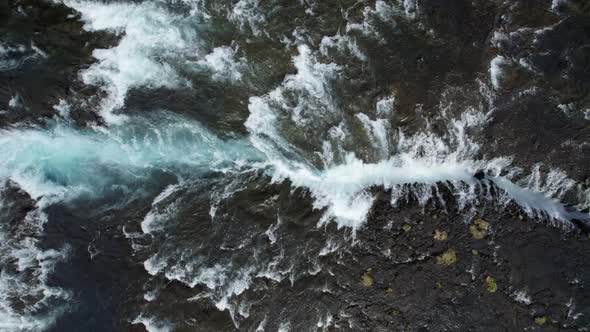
156, 217
271, 231
342, 43
38, 51
224, 283
151, 40
313, 100
284, 327
14, 56
192, 272
385, 13
332, 147
14, 101
24, 275
261, 325
378, 132
526, 64
63, 109
325, 322
342, 189
153, 325
554, 184
223, 64
534, 203
63, 163
522, 297
272, 271
499, 38
236, 287
247, 15
154, 220
555, 4
385, 106
366, 27
151, 295
567, 109
410, 8
496, 70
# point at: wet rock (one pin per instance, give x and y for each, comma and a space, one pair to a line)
479, 175
524, 255
50, 73
15, 204
575, 7
529, 118
136, 328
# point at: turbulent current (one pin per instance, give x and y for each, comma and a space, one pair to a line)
196, 165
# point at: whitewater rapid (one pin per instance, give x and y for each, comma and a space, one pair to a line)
297, 133
61, 163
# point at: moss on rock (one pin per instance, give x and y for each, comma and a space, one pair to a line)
541, 320
491, 285
447, 258
479, 229
440, 235
367, 279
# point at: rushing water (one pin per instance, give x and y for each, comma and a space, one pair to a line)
233, 136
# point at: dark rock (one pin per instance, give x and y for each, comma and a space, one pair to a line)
480, 175
16, 204
41, 81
